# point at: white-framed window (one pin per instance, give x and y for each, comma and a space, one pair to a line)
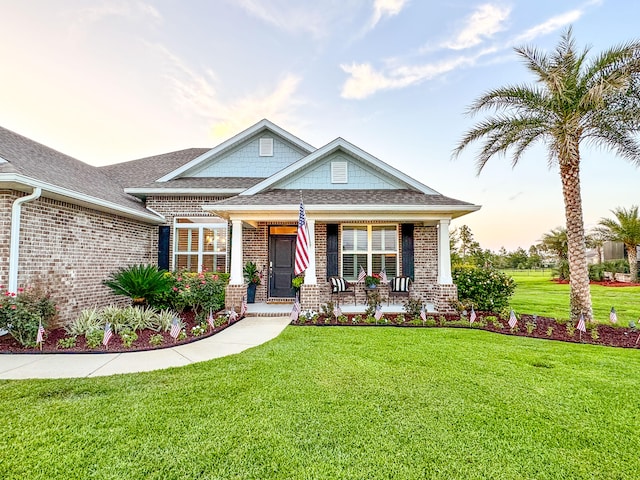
372, 247
200, 243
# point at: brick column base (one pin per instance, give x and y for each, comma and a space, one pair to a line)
444, 294
310, 297
233, 296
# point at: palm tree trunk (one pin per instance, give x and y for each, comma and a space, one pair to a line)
580, 294
632, 256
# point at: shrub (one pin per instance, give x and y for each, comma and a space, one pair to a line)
561, 270
94, 338
141, 283
413, 307
21, 314
128, 337
156, 340
67, 342
486, 288
596, 272
199, 291
88, 320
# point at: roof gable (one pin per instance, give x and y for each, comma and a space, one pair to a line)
288, 146
313, 171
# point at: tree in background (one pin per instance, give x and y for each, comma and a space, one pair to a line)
626, 229
575, 100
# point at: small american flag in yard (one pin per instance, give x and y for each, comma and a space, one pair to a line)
295, 313
513, 321
613, 316
472, 316
108, 333
383, 277
423, 313
175, 328
337, 311
361, 275
210, 320
40, 336
243, 306
233, 316
581, 325
378, 314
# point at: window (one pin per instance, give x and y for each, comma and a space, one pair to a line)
200, 244
266, 147
372, 247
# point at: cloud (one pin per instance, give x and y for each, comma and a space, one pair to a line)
314, 18
196, 93
139, 10
486, 21
551, 25
364, 80
385, 8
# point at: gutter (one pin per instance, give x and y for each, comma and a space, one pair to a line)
14, 246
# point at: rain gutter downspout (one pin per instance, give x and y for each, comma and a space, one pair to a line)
14, 246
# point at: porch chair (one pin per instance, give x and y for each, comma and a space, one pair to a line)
399, 287
340, 288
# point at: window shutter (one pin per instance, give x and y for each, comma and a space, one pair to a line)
163, 247
266, 147
339, 172
332, 249
407, 250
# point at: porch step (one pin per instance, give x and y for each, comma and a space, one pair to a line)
278, 301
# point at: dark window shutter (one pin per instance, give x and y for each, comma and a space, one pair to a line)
163, 247
407, 250
332, 250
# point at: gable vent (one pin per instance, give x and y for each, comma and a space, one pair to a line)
266, 147
339, 172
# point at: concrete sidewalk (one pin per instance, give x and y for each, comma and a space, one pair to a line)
247, 333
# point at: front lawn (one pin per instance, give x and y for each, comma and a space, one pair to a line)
537, 294
340, 402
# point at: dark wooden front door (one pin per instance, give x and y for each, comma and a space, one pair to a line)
282, 250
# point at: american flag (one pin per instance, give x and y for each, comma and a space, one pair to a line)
472, 316
581, 325
302, 243
613, 316
243, 306
175, 328
40, 336
383, 277
108, 333
378, 314
423, 313
361, 275
513, 321
295, 313
337, 311
233, 316
210, 320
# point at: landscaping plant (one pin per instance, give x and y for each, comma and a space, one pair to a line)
485, 288
21, 314
141, 283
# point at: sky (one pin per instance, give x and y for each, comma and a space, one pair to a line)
112, 81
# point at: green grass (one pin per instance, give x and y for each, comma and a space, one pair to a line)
340, 402
537, 294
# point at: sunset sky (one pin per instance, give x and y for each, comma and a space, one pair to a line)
110, 81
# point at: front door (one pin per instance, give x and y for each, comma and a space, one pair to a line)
282, 250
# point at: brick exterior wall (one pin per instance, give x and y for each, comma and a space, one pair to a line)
6, 199
69, 250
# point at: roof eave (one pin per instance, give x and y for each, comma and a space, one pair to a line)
141, 191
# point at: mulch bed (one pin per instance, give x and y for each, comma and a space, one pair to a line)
604, 283
50, 344
608, 335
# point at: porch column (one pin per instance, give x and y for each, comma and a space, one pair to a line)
310, 272
236, 277
444, 254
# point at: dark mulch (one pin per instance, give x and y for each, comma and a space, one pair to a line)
604, 283
50, 344
608, 335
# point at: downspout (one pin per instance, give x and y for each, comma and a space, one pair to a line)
14, 246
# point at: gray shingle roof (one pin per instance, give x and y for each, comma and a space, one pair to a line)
34, 160
203, 182
343, 197
145, 171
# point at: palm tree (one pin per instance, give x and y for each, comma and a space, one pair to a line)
574, 101
555, 241
626, 229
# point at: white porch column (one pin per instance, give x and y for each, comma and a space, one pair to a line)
444, 254
236, 277
310, 272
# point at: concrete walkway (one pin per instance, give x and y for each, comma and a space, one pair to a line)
247, 333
